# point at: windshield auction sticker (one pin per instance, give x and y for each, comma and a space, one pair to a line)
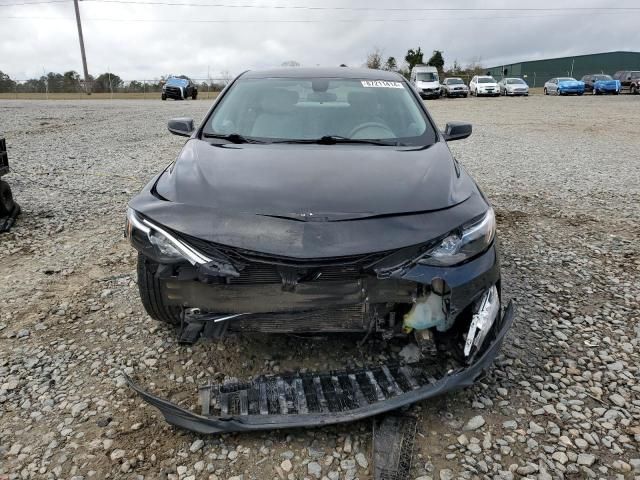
380, 84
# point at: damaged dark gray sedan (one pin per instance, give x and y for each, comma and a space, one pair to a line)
321, 201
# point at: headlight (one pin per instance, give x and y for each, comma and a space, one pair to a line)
157, 243
463, 244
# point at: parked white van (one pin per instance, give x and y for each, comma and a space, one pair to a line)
426, 81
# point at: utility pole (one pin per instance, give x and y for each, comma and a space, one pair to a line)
87, 83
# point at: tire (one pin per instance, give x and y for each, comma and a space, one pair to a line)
633, 90
464, 96
545, 91
164, 97
7, 205
151, 294
194, 95
580, 94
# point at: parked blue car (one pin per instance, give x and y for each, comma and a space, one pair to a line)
564, 86
599, 83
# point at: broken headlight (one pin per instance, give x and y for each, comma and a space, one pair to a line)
464, 243
158, 244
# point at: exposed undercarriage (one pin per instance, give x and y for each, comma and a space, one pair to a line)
454, 314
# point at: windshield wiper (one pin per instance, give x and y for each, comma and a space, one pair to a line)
334, 139
232, 137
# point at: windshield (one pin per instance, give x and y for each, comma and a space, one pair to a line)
566, 79
177, 82
486, 80
601, 77
454, 81
635, 74
280, 109
515, 81
427, 77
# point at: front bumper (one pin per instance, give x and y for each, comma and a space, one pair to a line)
269, 403
569, 91
487, 92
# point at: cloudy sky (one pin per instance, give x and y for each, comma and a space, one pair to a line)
139, 41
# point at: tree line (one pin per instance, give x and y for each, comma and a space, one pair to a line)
72, 82
415, 56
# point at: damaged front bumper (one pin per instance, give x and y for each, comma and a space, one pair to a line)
315, 399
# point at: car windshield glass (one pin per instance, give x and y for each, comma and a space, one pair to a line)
281, 109
455, 81
601, 77
635, 74
486, 80
427, 77
515, 81
566, 79
177, 82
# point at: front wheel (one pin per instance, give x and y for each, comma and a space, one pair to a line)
545, 91
580, 94
634, 90
152, 295
164, 97
194, 96
7, 205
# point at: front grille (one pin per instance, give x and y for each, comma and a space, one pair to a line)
256, 260
173, 91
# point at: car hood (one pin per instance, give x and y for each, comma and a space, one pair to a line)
571, 83
422, 83
312, 201
337, 182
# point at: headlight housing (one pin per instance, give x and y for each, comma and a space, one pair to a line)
158, 244
463, 244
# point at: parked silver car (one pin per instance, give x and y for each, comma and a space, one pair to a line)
454, 87
513, 87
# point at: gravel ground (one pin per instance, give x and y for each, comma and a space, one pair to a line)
563, 400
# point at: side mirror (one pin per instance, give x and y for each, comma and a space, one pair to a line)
457, 131
182, 126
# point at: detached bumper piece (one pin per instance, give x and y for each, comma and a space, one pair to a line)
312, 399
393, 440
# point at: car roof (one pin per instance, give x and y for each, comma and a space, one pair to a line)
323, 72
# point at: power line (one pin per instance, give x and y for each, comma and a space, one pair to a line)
33, 3
324, 20
353, 9
368, 9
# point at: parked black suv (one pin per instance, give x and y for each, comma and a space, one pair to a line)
629, 80
179, 88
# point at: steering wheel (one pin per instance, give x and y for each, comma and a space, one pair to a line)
373, 125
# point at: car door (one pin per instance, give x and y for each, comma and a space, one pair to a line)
553, 85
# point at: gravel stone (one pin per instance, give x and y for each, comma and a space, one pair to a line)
586, 459
474, 423
286, 465
362, 460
